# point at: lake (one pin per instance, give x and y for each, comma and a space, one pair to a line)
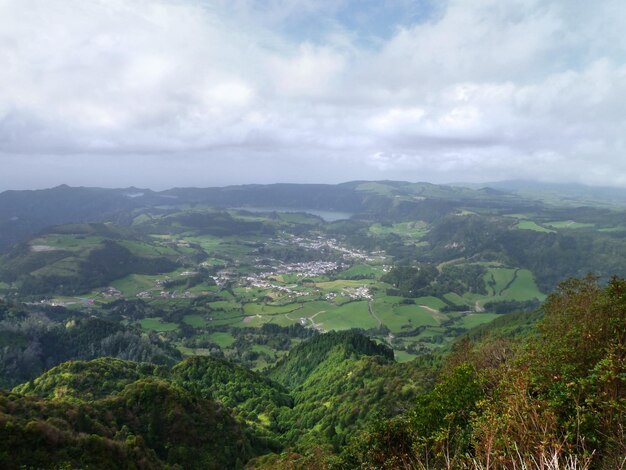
327, 216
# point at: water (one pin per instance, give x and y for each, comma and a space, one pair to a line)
327, 216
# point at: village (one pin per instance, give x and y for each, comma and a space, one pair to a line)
255, 273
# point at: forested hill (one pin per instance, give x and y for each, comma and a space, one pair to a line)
516, 392
149, 424
511, 396
303, 360
34, 339
204, 412
25, 213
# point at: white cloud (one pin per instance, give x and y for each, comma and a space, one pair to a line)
485, 89
311, 71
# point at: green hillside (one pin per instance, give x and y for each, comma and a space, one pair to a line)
148, 424
516, 392
522, 389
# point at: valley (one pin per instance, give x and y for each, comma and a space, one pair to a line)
289, 331
288, 269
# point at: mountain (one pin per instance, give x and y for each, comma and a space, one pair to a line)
229, 412
149, 423
519, 395
571, 194
533, 387
156, 330
24, 213
341, 382
36, 338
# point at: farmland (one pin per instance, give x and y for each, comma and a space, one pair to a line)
228, 281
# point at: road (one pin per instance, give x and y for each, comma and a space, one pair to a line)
372, 313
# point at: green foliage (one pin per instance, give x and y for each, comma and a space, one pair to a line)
411, 281
426, 280
340, 382
149, 424
304, 358
559, 397
510, 306
33, 341
386, 444
580, 366
174, 416
88, 380
254, 397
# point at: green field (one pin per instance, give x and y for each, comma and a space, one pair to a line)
135, 283
208, 243
403, 356
432, 302
222, 339
340, 284
456, 299
530, 225
265, 309
296, 296
512, 284
523, 288
147, 250
224, 305
157, 324
311, 308
350, 315
69, 267
568, 224
197, 321
410, 230
68, 242
400, 318
474, 319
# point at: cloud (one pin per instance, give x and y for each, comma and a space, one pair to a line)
299, 90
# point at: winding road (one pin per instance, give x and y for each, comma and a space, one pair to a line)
372, 313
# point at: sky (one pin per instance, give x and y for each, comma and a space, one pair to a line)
165, 93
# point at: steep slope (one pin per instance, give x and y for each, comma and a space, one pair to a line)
89, 380
255, 399
342, 381
555, 399
304, 359
150, 424
73, 259
33, 339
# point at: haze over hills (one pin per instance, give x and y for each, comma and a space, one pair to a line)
335, 326
23, 213
255, 261
563, 193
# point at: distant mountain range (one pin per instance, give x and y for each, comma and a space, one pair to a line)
563, 193
25, 213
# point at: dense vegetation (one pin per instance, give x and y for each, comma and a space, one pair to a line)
515, 392
149, 424
33, 340
558, 399
189, 329
152, 414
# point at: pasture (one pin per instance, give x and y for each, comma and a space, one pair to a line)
530, 225
157, 324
